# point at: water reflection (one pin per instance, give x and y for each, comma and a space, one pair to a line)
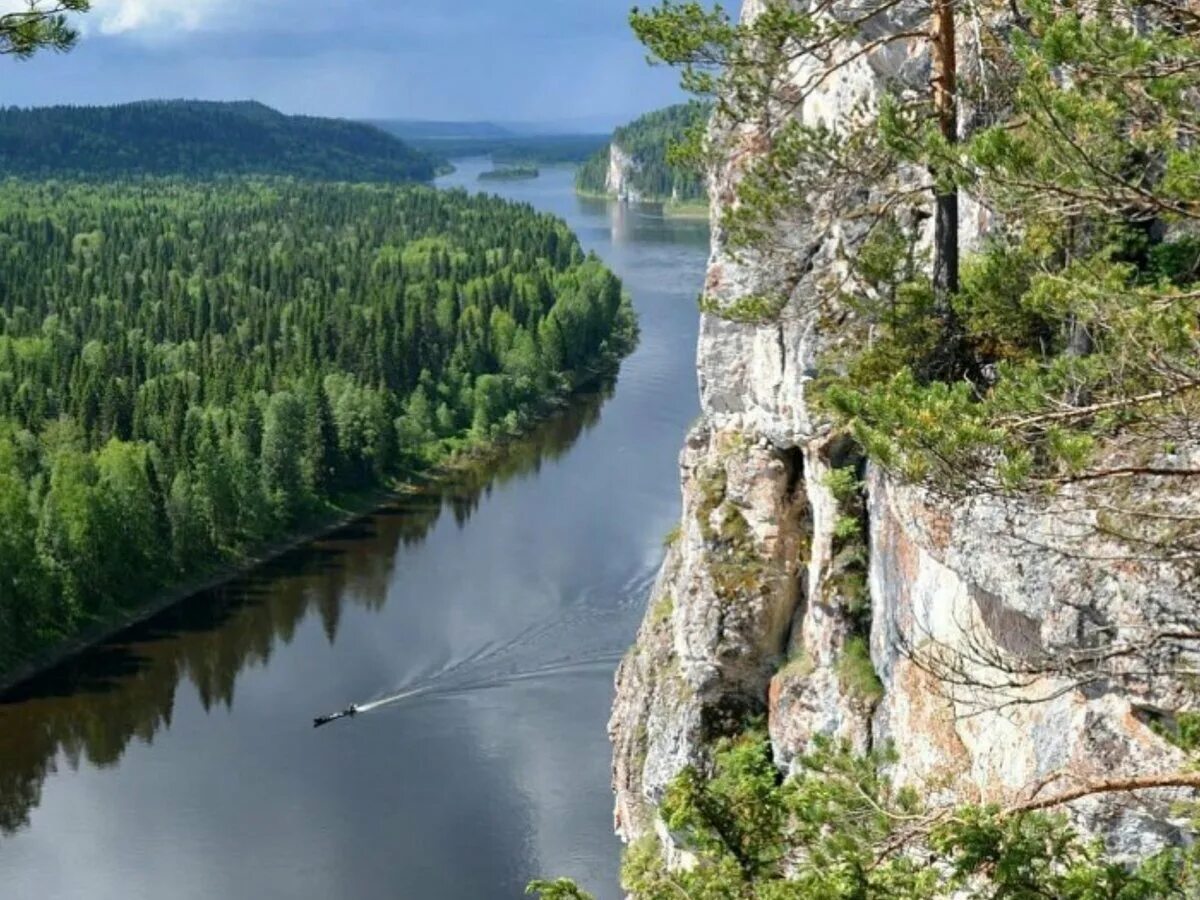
93, 707
630, 221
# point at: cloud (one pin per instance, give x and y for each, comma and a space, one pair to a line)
112, 17
537, 60
123, 16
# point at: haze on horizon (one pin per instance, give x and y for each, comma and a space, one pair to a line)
547, 61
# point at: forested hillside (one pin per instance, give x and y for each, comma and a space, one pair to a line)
199, 139
646, 143
413, 130
189, 370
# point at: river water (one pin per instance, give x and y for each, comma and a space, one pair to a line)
180, 762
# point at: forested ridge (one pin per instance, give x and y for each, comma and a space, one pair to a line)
200, 139
647, 141
189, 370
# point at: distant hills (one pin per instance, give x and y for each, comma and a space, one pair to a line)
200, 139
507, 144
422, 130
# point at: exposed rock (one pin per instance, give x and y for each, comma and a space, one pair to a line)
718, 618
618, 182
808, 696
759, 603
975, 608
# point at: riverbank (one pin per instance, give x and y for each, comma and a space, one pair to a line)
452, 459
100, 632
694, 210
536, 566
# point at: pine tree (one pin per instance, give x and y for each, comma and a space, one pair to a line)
40, 25
283, 440
1013, 370
320, 464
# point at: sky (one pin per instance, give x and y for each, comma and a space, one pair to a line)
567, 61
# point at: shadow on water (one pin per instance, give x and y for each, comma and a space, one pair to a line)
92, 707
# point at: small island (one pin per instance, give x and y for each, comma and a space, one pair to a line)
510, 173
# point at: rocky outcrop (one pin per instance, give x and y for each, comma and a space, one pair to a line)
976, 611
619, 181
889, 615
719, 615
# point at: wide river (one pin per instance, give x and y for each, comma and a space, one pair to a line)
180, 762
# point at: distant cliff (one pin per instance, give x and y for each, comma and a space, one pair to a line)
635, 167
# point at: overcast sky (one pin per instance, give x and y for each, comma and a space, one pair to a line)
527, 60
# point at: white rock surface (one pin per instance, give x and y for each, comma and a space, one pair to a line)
621, 168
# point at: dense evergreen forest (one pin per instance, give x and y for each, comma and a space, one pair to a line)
510, 173
647, 141
187, 371
199, 139
412, 130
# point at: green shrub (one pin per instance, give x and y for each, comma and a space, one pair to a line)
856, 672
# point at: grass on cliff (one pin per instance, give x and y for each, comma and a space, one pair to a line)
798, 665
856, 672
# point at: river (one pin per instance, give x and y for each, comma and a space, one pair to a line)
179, 760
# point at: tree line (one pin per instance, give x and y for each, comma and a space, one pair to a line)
189, 370
533, 149
200, 139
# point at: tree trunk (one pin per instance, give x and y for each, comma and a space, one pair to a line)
944, 83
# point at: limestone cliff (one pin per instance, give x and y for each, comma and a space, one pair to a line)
764, 605
621, 168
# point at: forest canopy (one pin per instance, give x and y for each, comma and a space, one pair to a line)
202, 140
187, 371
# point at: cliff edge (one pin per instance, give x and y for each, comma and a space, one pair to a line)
886, 614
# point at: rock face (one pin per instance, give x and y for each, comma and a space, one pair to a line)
766, 604
618, 182
719, 616
984, 587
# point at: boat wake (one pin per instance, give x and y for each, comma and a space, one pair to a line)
564, 667
498, 665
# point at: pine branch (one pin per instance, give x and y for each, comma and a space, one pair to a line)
1107, 786
1084, 411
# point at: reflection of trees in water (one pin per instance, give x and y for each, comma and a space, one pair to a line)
90, 708
645, 223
